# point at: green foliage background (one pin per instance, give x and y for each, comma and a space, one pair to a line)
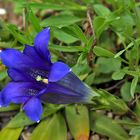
100, 40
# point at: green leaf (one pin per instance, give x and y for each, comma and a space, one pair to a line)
90, 79
110, 101
102, 78
51, 6
60, 20
100, 25
53, 128
4, 32
78, 121
108, 65
125, 91
135, 138
102, 52
18, 34
118, 75
135, 131
137, 108
9, 108
122, 51
119, 25
3, 75
63, 36
76, 32
106, 126
19, 120
33, 20
133, 86
101, 10
119, 53
9, 44
79, 33
105, 53
54, 6
66, 48
10, 134
89, 43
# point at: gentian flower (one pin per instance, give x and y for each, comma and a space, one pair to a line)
36, 79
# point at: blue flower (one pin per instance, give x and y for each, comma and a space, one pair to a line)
36, 79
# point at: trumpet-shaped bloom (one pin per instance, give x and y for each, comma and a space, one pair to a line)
36, 79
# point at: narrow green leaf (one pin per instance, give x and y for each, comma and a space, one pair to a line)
71, 5
122, 51
78, 121
102, 52
55, 6
66, 48
119, 53
89, 43
105, 53
9, 108
51, 129
125, 91
46, 6
18, 34
133, 86
109, 101
137, 108
33, 20
132, 73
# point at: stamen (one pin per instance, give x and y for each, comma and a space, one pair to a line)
38, 78
45, 81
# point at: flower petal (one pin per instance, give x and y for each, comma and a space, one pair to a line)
17, 60
41, 44
58, 71
33, 109
1, 101
20, 89
59, 95
33, 54
20, 99
67, 90
18, 75
30, 51
14, 59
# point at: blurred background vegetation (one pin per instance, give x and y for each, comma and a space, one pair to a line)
100, 40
